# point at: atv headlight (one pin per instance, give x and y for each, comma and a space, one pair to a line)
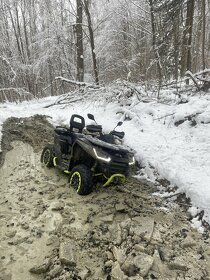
132, 161
101, 156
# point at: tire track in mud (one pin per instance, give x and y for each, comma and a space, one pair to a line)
49, 232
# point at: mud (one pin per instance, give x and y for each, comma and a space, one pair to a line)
120, 232
36, 131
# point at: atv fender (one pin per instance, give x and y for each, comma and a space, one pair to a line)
81, 153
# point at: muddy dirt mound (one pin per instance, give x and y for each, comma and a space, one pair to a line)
36, 131
123, 232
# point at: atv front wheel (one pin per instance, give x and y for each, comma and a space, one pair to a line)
81, 179
47, 155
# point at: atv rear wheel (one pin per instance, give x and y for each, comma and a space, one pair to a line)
47, 156
81, 179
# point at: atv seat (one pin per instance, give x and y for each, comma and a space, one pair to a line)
77, 123
64, 137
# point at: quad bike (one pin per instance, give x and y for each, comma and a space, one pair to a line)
88, 155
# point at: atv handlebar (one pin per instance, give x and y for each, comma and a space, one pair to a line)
96, 130
92, 128
119, 134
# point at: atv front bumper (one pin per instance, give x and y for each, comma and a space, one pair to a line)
113, 171
115, 178
109, 169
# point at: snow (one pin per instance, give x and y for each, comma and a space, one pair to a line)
196, 223
179, 154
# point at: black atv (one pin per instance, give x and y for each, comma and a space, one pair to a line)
88, 155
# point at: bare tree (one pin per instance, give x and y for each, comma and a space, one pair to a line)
203, 33
186, 57
79, 42
92, 41
154, 43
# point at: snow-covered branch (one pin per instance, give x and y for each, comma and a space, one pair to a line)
202, 76
76, 83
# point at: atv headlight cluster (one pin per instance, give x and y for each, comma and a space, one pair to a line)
132, 160
101, 156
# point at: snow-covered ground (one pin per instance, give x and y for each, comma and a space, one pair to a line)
179, 153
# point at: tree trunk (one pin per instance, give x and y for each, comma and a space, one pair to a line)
19, 34
26, 36
92, 43
186, 63
177, 21
204, 33
79, 43
154, 43
16, 37
176, 48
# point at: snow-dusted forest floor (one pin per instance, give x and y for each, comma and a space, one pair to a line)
121, 232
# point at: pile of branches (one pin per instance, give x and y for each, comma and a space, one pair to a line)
121, 92
200, 79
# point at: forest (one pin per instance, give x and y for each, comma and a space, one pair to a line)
145, 41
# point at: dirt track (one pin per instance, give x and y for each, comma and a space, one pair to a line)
49, 232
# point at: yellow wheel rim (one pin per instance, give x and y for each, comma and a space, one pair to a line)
76, 180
